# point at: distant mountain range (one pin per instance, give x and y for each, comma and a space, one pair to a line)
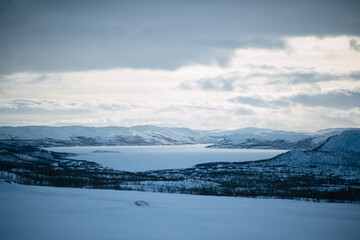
45, 136
259, 138
330, 172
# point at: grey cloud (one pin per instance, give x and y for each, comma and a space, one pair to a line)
258, 102
311, 77
27, 106
210, 84
41, 78
354, 45
249, 42
217, 84
51, 36
110, 106
273, 75
339, 100
261, 67
355, 75
250, 101
244, 111
185, 86
298, 76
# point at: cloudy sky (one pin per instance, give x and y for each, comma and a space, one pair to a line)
292, 65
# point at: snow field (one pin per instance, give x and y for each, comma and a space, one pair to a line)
144, 158
31, 212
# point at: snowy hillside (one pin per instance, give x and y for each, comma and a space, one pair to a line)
340, 150
348, 141
272, 139
92, 136
42, 213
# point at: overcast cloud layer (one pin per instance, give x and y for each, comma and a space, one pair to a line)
199, 64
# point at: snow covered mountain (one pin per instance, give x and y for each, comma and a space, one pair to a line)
348, 141
338, 151
259, 138
272, 139
93, 136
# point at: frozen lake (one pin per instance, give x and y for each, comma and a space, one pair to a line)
30, 212
143, 158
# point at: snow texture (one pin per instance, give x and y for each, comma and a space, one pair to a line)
31, 212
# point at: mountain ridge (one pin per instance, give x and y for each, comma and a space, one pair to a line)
93, 136
278, 139
247, 138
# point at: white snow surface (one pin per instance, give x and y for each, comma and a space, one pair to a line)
143, 158
32, 212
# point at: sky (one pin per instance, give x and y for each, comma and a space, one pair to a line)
291, 65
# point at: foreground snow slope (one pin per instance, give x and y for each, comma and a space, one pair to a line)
29, 212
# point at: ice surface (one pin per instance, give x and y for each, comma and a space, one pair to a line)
143, 158
30, 212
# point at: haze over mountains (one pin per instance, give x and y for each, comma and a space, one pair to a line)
260, 138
